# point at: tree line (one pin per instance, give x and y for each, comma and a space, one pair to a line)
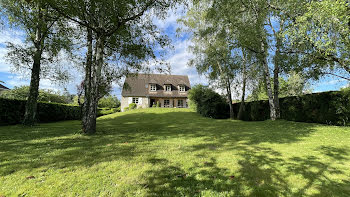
257, 42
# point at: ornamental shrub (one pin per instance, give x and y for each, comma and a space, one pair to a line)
208, 103
132, 106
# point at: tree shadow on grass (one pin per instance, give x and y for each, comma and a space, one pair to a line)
57, 145
261, 171
167, 179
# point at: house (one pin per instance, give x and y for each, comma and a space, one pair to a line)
2, 88
146, 90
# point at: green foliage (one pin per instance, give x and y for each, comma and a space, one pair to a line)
12, 111
126, 108
109, 101
22, 92
326, 107
132, 106
117, 109
158, 104
208, 103
106, 111
320, 30
294, 85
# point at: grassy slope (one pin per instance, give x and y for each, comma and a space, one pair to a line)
156, 152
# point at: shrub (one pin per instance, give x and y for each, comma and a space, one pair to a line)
12, 111
126, 108
158, 104
109, 102
208, 103
106, 111
325, 107
117, 109
132, 106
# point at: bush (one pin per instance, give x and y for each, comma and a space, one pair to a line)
109, 102
126, 108
117, 109
208, 103
325, 107
12, 111
132, 106
158, 104
106, 111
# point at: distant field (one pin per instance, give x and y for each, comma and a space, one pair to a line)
175, 152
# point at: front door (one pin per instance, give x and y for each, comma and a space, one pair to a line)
152, 103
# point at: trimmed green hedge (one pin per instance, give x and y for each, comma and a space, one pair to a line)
325, 107
12, 112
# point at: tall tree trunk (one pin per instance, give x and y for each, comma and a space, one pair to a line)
268, 82
87, 82
276, 72
229, 96
241, 106
89, 123
32, 101
276, 89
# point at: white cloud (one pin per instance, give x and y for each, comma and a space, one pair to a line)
179, 63
13, 36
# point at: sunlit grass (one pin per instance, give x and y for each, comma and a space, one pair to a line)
175, 152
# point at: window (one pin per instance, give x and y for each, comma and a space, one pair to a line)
166, 103
135, 100
168, 88
180, 103
153, 87
182, 88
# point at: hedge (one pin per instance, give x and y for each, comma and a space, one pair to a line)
12, 111
325, 107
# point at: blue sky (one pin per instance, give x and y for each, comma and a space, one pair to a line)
177, 58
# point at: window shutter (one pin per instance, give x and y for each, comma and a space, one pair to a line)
140, 101
129, 100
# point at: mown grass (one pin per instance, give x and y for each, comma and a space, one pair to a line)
175, 152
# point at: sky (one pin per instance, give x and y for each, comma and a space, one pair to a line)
178, 59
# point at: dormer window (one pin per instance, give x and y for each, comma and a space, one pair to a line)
153, 87
168, 88
182, 88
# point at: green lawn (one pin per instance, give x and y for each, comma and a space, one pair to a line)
175, 152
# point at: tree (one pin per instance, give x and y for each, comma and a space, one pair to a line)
216, 54
247, 22
294, 85
319, 33
122, 30
109, 101
44, 39
215, 60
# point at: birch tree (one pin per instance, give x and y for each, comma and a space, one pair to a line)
44, 39
122, 30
